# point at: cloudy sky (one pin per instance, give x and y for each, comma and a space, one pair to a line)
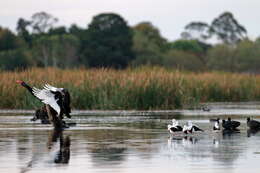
170, 16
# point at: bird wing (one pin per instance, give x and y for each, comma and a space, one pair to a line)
47, 97
51, 88
196, 128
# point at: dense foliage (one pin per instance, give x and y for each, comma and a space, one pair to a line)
108, 41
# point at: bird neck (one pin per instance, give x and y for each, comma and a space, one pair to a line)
27, 87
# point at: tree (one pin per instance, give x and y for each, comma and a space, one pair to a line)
222, 57
57, 31
149, 46
182, 60
196, 31
57, 50
152, 34
41, 22
8, 40
227, 29
13, 59
108, 42
22, 30
196, 48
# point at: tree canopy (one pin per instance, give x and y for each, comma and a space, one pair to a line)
109, 42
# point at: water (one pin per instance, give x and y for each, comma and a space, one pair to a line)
122, 144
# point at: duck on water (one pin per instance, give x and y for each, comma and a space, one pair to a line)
58, 100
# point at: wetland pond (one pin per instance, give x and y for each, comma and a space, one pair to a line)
124, 143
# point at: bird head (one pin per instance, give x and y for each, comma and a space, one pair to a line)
248, 119
20, 82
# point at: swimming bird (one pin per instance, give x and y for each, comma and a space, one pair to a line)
57, 98
216, 126
253, 124
205, 108
230, 124
190, 128
174, 127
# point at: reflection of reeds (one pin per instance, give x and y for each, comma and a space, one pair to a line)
141, 88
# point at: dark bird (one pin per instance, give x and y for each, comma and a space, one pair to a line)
206, 109
253, 124
230, 125
57, 98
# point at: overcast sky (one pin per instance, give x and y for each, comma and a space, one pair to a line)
170, 16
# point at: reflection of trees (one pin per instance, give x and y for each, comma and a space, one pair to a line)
105, 154
107, 146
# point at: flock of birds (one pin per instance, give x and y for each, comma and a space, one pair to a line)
227, 126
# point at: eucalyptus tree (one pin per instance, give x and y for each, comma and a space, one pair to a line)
228, 29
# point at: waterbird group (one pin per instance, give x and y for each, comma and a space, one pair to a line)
187, 128
227, 126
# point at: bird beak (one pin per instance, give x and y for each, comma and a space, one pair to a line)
19, 81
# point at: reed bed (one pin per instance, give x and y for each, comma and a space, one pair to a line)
141, 88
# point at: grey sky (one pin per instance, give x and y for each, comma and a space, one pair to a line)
170, 16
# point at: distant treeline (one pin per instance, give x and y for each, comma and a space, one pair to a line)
108, 41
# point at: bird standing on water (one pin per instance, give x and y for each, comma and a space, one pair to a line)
174, 127
57, 98
190, 128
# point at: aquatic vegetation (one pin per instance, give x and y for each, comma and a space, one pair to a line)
138, 88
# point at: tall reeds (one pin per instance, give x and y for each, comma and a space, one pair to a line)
140, 88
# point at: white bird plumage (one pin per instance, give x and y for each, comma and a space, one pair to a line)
47, 97
52, 88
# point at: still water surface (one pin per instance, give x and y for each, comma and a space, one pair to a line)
124, 144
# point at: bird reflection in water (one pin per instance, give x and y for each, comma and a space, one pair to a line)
63, 155
184, 141
251, 132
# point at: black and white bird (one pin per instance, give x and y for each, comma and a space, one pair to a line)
190, 128
253, 124
174, 127
57, 98
216, 126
